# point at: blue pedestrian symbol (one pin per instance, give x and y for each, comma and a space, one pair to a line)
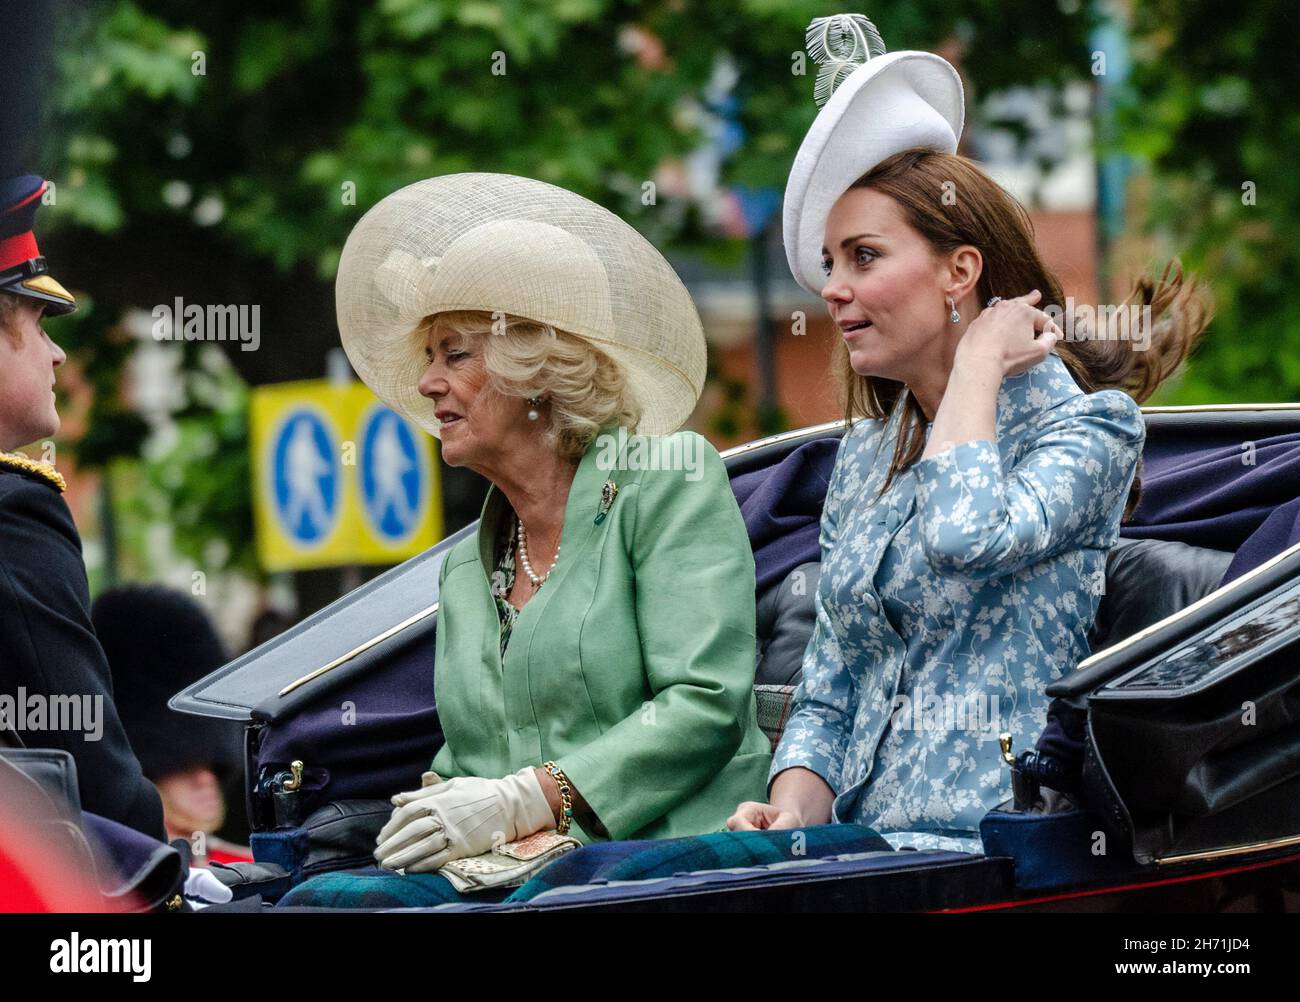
394, 476
305, 481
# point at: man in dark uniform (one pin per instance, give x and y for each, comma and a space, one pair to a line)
52, 669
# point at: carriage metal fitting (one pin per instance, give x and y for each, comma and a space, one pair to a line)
286, 788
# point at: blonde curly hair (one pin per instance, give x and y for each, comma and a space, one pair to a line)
585, 388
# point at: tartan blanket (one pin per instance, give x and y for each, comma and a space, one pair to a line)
595, 864
773, 704
372, 887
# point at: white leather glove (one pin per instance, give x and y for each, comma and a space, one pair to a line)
466, 816
203, 888
427, 780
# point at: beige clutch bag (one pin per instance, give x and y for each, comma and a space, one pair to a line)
508, 865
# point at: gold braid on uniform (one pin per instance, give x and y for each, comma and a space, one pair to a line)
41, 471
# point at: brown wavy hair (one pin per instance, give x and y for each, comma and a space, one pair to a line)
982, 214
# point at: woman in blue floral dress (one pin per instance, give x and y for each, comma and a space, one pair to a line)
990, 455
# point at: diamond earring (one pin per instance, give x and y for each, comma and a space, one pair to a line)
954, 316
533, 404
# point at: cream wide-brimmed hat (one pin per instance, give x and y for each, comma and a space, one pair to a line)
873, 106
496, 242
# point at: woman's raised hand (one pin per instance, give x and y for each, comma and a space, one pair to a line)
1013, 333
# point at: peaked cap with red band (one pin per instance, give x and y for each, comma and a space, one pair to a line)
22, 268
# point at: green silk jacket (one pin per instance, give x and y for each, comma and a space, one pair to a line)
633, 666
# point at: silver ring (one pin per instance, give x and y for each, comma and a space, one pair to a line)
994, 301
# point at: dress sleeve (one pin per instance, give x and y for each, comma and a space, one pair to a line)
694, 602
816, 736
1067, 491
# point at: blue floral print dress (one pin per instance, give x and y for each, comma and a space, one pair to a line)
946, 606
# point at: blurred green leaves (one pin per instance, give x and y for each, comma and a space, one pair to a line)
1211, 108
588, 94
197, 481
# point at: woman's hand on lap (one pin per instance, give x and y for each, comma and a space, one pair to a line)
466, 816
755, 816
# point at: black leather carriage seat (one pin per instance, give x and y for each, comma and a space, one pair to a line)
1149, 579
1146, 580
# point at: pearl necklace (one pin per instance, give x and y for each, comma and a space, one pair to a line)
523, 557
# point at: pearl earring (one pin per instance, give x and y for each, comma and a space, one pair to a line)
533, 404
954, 316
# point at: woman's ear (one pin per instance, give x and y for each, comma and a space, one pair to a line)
962, 270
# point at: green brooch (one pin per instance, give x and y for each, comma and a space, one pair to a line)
607, 495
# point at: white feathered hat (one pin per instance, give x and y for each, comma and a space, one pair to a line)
873, 106
496, 242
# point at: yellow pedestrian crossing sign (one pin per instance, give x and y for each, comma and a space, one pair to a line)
339, 478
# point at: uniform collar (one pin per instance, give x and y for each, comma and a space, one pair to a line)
43, 472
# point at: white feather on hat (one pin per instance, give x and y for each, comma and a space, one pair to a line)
875, 105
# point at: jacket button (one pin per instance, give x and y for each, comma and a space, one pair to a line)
892, 521
869, 600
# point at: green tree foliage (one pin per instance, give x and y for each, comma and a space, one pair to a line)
1212, 109
294, 119
195, 480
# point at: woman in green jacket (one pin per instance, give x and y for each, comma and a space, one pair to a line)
595, 642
